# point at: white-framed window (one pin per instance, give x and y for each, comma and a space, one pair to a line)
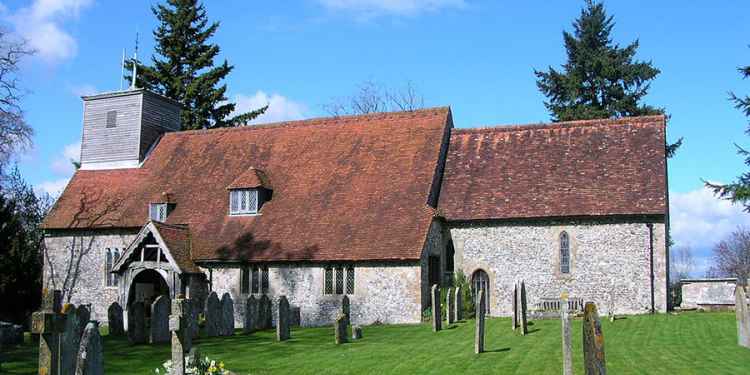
564, 252
338, 279
111, 257
157, 212
243, 201
254, 279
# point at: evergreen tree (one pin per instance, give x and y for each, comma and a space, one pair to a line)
184, 67
600, 79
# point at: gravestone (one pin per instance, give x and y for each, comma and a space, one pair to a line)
213, 317
567, 340
522, 306
49, 323
114, 319
196, 309
159, 330
593, 342
356, 333
743, 316
251, 315
71, 340
282, 320
264, 313
481, 308
436, 316
514, 319
295, 316
84, 316
179, 325
346, 309
227, 315
193, 357
137, 323
449, 310
459, 305
339, 329
90, 358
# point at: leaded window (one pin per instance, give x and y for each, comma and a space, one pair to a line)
329, 280
244, 280
158, 212
243, 201
264, 280
339, 279
350, 280
111, 257
255, 279
564, 252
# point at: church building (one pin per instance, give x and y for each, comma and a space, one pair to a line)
377, 207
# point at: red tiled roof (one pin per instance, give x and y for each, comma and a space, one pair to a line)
580, 168
252, 178
348, 188
177, 239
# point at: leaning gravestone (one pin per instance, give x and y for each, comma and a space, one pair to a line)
251, 315
339, 329
49, 324
227, 315
114, 319
212, 313
436, 316
356, 333
743, 316
90, 358
567, 340
481, 308
282, 320
459, 305
449, 310
71, 340
159, 330
522, 306
179, 325
514, 319
137, 323
593, 342
346, 309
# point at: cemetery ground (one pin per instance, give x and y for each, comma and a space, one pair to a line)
687, 343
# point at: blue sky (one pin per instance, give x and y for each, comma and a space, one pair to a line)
476, 56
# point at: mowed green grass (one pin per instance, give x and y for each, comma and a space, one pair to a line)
688, 343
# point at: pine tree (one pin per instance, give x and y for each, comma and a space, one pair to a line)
600, 79
183, 68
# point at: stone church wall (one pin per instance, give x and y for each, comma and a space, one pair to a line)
608, 259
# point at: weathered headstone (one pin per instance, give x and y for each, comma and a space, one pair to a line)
449, 310
340, 328
282, 320
212, 313
436, 316
84, 316
593, 342
49, 324
264, 313
522, 306
251, 315
356, 333
137, 323
346, 309
743, 316
179, 325
90, 359
479, 322
196, 309
159, 330
295, 316
193, 357
114, 320
227, 315
459, 305
567, 340
71, 340
514, 319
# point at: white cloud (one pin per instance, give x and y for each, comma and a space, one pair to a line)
280, 108
84, 90
41, 24
62, 164
53, 187
372, 8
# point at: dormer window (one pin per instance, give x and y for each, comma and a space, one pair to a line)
158, 212
243, 201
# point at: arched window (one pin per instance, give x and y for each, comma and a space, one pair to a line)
564, 252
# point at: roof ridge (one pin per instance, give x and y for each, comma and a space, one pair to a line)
561, 124
319, 121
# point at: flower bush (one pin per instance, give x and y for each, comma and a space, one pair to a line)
203, 366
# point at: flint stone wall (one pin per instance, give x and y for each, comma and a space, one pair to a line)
606, 256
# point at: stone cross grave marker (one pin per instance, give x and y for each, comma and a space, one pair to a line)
159, 330
742, 312
90, 359
356, 333
436, 316
137, 323
459, 305
49, 323
339, 329
346, 309
450, 312
227, 315
514, 319
179, 325
71, 340
114, 319
251, 315
282, 320
213, 315
594, 362
567, 340
479, 323
522, 305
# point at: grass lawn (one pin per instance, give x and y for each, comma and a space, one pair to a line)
689, 343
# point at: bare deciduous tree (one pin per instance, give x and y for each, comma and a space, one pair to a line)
372, 97
681, 263
15, 133
731, 256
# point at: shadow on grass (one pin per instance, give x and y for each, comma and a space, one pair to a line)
497, 350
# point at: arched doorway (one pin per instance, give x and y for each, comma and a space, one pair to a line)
146, 286
481, 281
